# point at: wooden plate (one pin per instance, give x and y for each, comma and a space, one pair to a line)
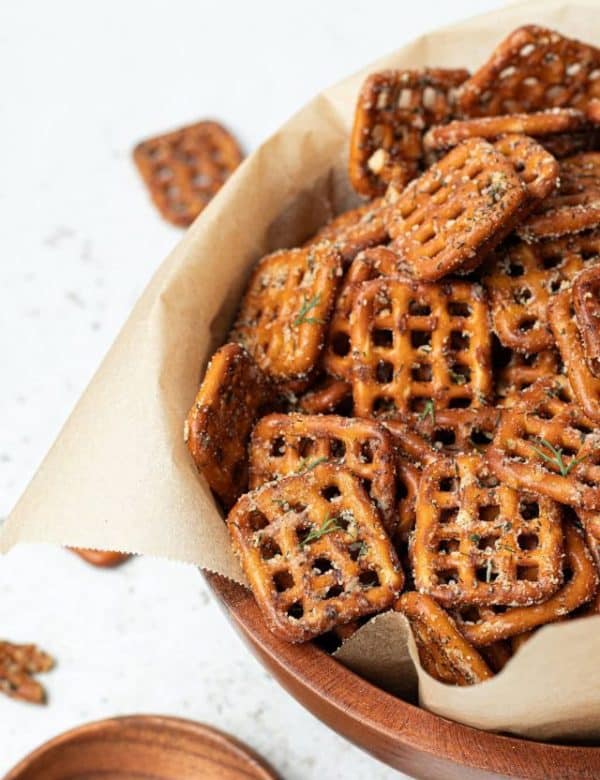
406, 737
143, 747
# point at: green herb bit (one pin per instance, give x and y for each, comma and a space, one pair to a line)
307, 465
475, 538
307, 305
358, 547
329, 525
556, 457
459, 379
428, 411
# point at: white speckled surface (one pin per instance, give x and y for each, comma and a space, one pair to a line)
81, 83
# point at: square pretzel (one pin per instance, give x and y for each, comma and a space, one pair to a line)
545, 443
285, 311
294, 443
233, 392
416, 344
479, 542
519, 370
456, 212
314, 551
185, 169
522, 278
531, 70
393, 109
450, 431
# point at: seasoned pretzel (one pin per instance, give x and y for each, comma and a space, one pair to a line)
371, 264
531, 70
295, 443
580, 586
535, 166
497, 655
522, 370
416, 344
185, 169
591, 528
443, 652
457, 211
586, 300
539, 125
101, 558
327, 398
546, 444
353, 231
585, 385
284, 314
574, 207
450, 431
18, 664
393, 108
479, 542
218, 426
314, 551
521, 280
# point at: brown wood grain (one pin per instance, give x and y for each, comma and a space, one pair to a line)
143, 748
406, 737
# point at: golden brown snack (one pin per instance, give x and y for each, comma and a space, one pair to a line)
102, 558
497, 655
535, 166
443, 652
450, 431
521, 371
533, 69
295, 443
586, 301
546, 444
18, 664
393, 109
327, 397
315, 552
218, 426
185, 169
479, 542
580, 586
416, 344
285, 311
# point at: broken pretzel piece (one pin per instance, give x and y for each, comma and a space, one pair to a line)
18, 664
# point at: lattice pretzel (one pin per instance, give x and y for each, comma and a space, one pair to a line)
483, 627
521, 280
535, 166
218, 427
545, 443
456, 212
444, 653
479, 542
183, 170
531, 70
393, 109
18, 664
284, 314
314, 551
294, 443
450, 431
521, 371
586, 300
415, 344
330, 396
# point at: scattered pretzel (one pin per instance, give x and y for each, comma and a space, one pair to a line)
586, 301
522, 370
450, 431
443, 652
284, 314
295, 443
220, 421
314, 551
535, 166
18, 664
533, 69
393, 108
102, 558
415, 345
185, 169
327, 398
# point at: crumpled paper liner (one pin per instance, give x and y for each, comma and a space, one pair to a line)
119, 476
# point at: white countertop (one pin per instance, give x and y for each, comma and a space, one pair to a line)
81, 83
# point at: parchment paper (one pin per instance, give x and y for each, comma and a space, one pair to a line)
119, 476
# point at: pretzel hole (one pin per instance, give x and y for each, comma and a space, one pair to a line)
418, 309
551, 261
296, 610
448, 515
488, 514
515, 269
257, 521
302, 532
486, 574
447, 576
487, 541
277, 447
529, 573
306, 446
460, 374
527, 324
367, 451
369, 578
470, 614
283, 581
269, 549
322, 565
448, 546
459, 340
366, 483
480, 438
340, 344
488, 480
401, 490
420, 338
448, 484
417, 404
529, 510
544, 413
202, 181
522, 295
382, 338
444, 437
460, 403
356, 549
528, 541
383, 404
333, 592
331, 492
384, 372
421, 372
459, 309
582, 428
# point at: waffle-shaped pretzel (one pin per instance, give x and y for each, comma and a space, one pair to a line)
450, 431
102, 558
353, 231
295, 443
327, 398
521, 280
220, 422
586, 300
546, 444
456, 212
574, 207
591, 528
479, 542
531, 70
535, 166
585, 385
183, 170
415, 345
314, 551
444, 653
371, 264
581, 583
393, 108
284, 314
539, 125
521, 371
18, 664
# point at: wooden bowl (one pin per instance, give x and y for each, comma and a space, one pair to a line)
406, 737
143, 747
